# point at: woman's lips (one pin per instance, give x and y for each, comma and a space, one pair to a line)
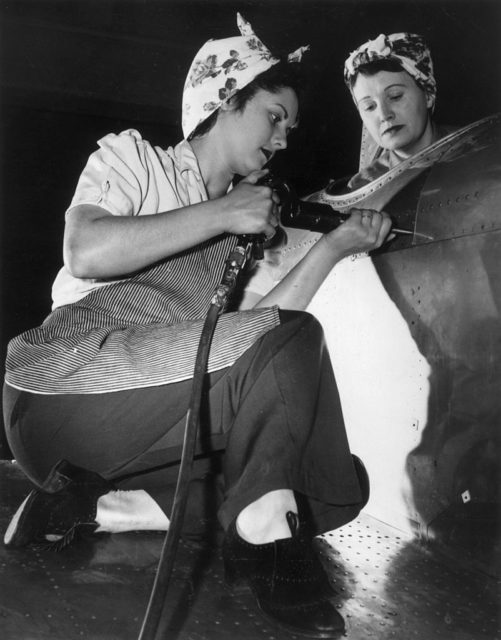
391, 130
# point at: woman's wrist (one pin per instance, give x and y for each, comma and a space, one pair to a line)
213, 217
217, 216
332, 248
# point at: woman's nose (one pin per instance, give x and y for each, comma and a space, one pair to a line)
386, 112
280, 139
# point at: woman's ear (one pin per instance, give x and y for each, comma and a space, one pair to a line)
228, 105
429, 100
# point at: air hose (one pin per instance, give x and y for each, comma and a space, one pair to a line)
155, 621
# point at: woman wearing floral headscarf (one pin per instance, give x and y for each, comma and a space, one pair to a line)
392, 84
104, 383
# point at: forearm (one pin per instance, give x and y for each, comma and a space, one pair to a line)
296, 290
100, 245
365, 230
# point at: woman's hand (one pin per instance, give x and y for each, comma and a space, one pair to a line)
250, 208
365, 230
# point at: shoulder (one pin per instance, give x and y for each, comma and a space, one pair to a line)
128, 142
128, 151
130, 146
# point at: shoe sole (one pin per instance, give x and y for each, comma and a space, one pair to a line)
12, 539
240, 586
61, 470
10, 534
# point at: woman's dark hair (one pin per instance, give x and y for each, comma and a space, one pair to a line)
371, 68
281, 75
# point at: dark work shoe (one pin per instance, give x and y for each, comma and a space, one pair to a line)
66, 501
288, 580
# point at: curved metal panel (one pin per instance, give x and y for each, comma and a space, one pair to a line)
462, 192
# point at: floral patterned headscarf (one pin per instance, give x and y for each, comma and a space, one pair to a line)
407, 48
220, 69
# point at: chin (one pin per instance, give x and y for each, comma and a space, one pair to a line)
398, 145
255, 167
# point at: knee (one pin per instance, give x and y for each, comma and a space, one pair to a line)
301, 318
305, 322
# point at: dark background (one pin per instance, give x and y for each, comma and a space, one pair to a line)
74, 70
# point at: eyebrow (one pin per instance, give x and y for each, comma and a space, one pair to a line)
286, 113
395, 84
279, 104
390, 86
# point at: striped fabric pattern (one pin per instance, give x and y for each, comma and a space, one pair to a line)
134, 334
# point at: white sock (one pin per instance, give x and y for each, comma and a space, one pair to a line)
264, 520
129, 511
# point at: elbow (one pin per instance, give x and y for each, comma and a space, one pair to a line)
78, 261
84, 243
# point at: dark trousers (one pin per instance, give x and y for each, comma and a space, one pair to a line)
276, 413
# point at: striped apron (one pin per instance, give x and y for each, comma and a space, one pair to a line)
136, 333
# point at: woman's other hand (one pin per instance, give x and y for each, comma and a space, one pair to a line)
365, 230
250, 208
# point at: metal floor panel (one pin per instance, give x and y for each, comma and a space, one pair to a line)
389, 585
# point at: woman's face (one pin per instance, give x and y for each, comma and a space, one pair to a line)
252, 136
394, 110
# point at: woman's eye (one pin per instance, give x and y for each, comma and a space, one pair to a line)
275, 118
396, 96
